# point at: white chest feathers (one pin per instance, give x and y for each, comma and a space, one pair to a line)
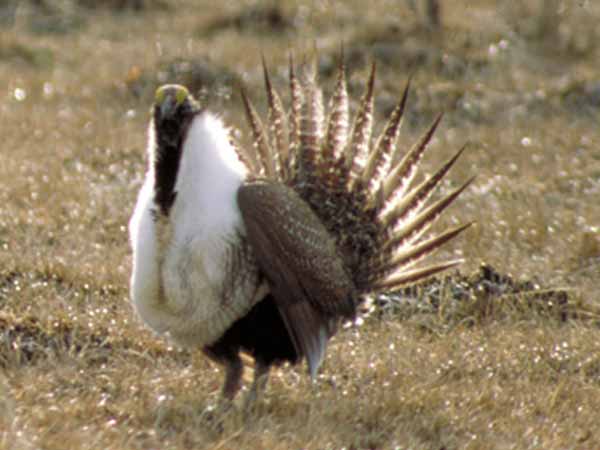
192, 273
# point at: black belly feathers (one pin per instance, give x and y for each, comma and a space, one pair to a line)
261, 333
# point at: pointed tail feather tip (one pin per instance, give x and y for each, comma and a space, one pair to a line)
404, 170
408, 257
384, 152
412, 276
415, 200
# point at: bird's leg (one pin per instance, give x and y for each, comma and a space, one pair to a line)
234, 369
233, 376
261, 376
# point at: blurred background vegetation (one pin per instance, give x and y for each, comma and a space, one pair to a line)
478, 362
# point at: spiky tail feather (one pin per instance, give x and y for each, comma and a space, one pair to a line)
359, 187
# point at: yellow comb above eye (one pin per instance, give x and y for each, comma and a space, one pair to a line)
176, 90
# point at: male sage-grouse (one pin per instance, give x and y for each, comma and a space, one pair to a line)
264, 250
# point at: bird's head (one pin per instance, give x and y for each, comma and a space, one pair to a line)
173, 111
174, 107
171, 100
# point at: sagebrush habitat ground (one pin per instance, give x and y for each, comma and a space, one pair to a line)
517, 80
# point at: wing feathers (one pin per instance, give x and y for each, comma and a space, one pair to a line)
309, 331
295, 252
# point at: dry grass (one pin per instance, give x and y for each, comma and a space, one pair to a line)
518, 82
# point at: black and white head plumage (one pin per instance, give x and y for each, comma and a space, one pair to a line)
172, 113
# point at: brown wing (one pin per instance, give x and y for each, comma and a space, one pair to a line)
307, 276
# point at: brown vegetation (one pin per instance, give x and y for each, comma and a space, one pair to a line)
498, 369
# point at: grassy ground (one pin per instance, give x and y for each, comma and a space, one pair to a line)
517, 81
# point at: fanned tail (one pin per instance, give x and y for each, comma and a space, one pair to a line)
310, 128
359, 146
380, 159
277, 126
333, 162
405, 257
246, 157
414, 228
413, 201
412, 276
362, 191
296, 100
402, 174
261, 142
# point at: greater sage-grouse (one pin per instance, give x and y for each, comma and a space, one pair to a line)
265, 249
